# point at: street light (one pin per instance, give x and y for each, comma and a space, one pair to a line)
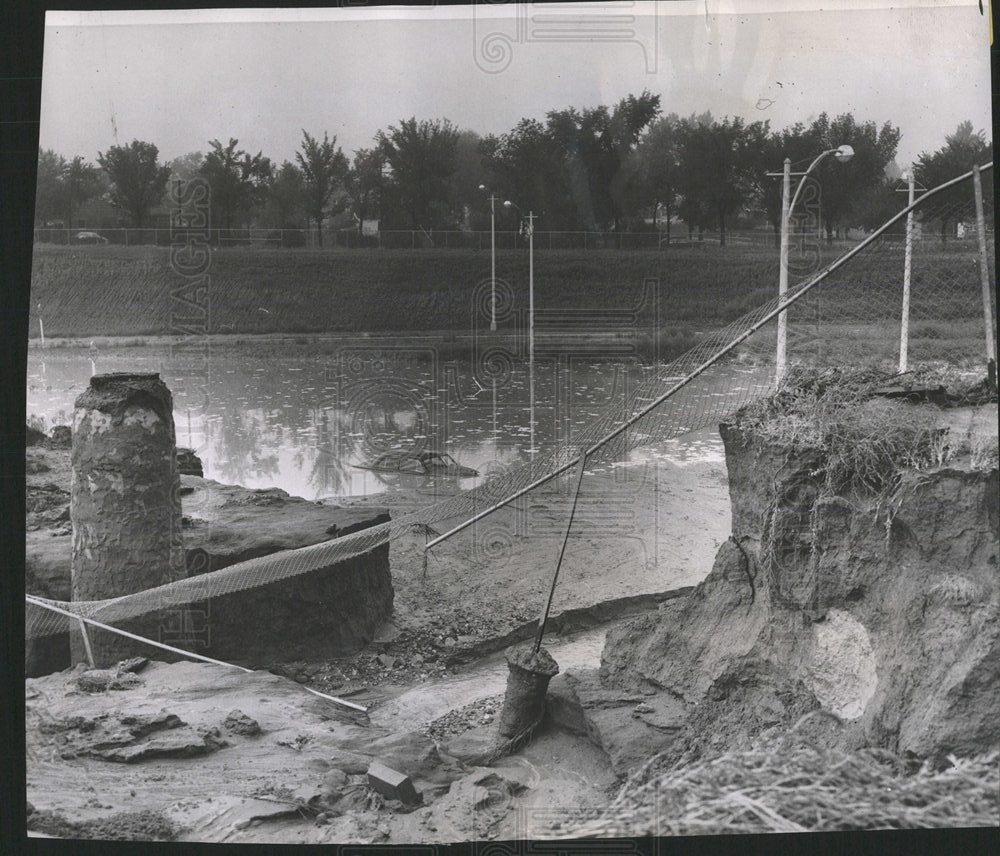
841, 153
493, 261
531, 316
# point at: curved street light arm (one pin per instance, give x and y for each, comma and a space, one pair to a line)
844, 153
805, 175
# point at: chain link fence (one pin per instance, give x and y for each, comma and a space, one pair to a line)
411, 239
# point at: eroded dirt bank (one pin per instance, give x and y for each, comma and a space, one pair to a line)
859, 580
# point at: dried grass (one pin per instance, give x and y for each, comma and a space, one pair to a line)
800, 789
864, 443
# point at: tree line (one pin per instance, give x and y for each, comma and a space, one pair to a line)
626, 167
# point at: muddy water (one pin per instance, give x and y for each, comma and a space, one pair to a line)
304, 416
487, 677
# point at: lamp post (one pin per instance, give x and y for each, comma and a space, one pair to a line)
841, 153
493, 260
530, 218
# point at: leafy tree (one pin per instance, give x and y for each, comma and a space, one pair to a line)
526, 165
422, 157
720, 167
48, 188
63, 186
138, 181
846, 187
365, 184
284, 206
652, 171
962, 150
324, 171
595, 143
186, 167
238, 180
469, 173
81, 181
881, 202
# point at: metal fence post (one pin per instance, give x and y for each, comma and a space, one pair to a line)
984, 271
780, 357
904, 327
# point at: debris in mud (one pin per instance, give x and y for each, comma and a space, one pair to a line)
392, 784
297, 744
472, 715
122, 826
335, 782
44, 498
121, 677
127, 738
101, 680
237, 722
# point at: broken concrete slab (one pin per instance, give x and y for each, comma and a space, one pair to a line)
392, 784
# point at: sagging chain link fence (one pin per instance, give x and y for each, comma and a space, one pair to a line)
843, 312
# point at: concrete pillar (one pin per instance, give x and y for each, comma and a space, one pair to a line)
124, 500
527, 682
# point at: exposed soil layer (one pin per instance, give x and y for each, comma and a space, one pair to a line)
878, 607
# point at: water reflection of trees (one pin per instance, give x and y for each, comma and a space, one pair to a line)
330, 471
241, 445
293, 424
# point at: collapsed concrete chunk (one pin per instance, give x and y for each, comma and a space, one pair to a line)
392, 784
237, 722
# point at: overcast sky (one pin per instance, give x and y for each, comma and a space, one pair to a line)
116, 76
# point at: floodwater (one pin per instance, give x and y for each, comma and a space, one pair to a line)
307, 417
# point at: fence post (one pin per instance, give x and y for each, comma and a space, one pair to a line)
904, 328
86, 644
780, 357
984, 271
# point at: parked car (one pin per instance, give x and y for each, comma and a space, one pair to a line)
419, 464
89, 238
